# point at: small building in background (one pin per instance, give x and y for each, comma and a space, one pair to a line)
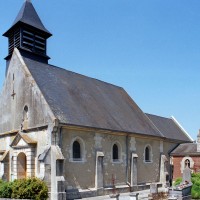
187, 154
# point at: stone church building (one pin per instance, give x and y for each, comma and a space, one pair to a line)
76, 133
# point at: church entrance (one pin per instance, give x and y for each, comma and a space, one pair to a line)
21, 166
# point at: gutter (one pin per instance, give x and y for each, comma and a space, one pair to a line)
111, 130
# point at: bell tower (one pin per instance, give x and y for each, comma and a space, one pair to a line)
28, 34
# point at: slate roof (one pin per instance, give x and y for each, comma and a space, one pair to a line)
25, 137
29, 16
169, 128
79, 100
4, 156
186, 149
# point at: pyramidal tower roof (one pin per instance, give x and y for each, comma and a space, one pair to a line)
28, 16
28, 35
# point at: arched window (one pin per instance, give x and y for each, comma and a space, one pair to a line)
76, 150
147, 154
115, 153
25, 113
25, 118
187, 163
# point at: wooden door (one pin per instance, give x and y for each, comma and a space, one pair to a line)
21, 166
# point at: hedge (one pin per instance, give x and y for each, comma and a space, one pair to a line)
31, 188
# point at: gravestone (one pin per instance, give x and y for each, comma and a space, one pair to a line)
163, 171
187, 175
134, 196
182, 191
153, 188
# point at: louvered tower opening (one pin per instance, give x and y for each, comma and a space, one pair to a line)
34, 42
27, 40
14, 40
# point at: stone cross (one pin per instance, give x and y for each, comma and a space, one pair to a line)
114, 191
13, 94
187, 163
13, 82
113, 184
187, 175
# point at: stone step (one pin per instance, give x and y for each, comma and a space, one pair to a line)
143, 195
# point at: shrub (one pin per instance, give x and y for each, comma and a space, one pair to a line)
31, 188
196, 190
195, 187
5, 189
178, 181
195, 177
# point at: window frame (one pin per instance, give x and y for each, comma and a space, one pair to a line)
76, 150
82, 150
150, 154
119, 152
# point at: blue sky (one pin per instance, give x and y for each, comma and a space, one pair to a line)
150, 48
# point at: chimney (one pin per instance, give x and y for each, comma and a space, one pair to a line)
198, 142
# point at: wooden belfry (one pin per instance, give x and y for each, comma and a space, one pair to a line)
28, 35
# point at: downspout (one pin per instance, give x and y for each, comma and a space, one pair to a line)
171, 170
127, 182
60, 137
127, 158
169, 152
159, 166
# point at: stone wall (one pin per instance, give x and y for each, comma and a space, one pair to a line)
20, 90
81, 174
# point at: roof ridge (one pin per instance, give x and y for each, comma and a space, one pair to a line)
158, 116
189, 143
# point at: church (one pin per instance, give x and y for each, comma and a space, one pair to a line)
82, 136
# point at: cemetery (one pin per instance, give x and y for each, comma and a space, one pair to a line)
180, 191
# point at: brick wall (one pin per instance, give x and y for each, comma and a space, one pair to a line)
196, 163
177, 165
